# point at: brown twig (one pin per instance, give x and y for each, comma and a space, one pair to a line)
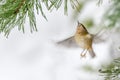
20, 5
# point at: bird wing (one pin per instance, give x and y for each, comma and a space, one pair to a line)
68, 42
101, 36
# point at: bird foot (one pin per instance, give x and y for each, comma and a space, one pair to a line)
83, 55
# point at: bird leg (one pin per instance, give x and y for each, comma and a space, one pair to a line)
83, 53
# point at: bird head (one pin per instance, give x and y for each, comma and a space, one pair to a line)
81, 29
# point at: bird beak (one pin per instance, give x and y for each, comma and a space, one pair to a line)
78, 23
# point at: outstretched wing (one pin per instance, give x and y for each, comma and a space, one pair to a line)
69, 43
101, 36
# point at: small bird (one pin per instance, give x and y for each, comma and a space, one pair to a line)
82, 38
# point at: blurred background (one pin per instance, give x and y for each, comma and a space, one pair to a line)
35, 56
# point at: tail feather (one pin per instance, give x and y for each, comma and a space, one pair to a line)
92, 53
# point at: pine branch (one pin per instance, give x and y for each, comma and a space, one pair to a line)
13, 13
111, 17
111, 71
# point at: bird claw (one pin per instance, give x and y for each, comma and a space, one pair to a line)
83, 55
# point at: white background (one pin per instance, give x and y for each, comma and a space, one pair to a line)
34, 56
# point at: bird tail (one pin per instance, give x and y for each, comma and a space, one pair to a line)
92, 53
